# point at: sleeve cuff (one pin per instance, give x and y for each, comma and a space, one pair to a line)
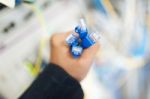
59, 75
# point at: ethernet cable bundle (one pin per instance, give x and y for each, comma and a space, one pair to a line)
81, 39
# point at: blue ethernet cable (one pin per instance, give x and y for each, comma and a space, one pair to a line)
18, 2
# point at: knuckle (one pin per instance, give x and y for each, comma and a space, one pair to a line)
54, 39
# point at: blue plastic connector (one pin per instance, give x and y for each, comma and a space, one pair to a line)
77, 29
81, 29
76, 51
82, 33
72, 39
89, 40
81, 39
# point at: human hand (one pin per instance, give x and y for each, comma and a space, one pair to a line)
60, 55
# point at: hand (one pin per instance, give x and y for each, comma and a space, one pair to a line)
60, 55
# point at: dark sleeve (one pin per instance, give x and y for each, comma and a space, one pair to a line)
54, 83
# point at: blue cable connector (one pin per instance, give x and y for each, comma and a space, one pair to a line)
72, 39
81, 29
76, 51
81, 39
89, 40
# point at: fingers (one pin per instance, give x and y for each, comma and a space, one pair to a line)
67, 34
62, 36
90, 52
59, 40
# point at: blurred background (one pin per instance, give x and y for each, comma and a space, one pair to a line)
121, 69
